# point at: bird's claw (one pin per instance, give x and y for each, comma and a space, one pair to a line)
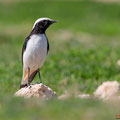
29, 86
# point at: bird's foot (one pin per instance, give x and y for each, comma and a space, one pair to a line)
29, 86
40, 82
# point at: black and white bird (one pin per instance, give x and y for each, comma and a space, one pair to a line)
34, 50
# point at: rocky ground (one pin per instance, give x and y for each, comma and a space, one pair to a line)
106, 91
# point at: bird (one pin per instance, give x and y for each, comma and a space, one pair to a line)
35, 50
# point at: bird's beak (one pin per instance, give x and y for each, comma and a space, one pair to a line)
53, 21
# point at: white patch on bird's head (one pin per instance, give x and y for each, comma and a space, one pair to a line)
41, 19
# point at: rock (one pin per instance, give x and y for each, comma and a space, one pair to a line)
37, 90
64, 96
118, 62
83, 96
108, 90
68, 95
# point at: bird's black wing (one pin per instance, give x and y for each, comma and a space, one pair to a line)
47, 45
24, 47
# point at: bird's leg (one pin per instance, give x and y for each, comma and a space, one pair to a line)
29, 77
39, 76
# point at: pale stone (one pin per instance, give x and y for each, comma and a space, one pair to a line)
118, 62
83, 96
64, 97
37, 90
68, 95
107, 90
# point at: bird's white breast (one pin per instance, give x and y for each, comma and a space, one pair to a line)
35, 53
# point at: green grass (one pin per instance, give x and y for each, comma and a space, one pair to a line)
57, 110
84, 49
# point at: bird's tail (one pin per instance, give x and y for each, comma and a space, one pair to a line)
24, 82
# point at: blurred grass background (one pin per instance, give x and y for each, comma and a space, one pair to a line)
84, 49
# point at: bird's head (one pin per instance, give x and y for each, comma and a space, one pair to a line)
42, 24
